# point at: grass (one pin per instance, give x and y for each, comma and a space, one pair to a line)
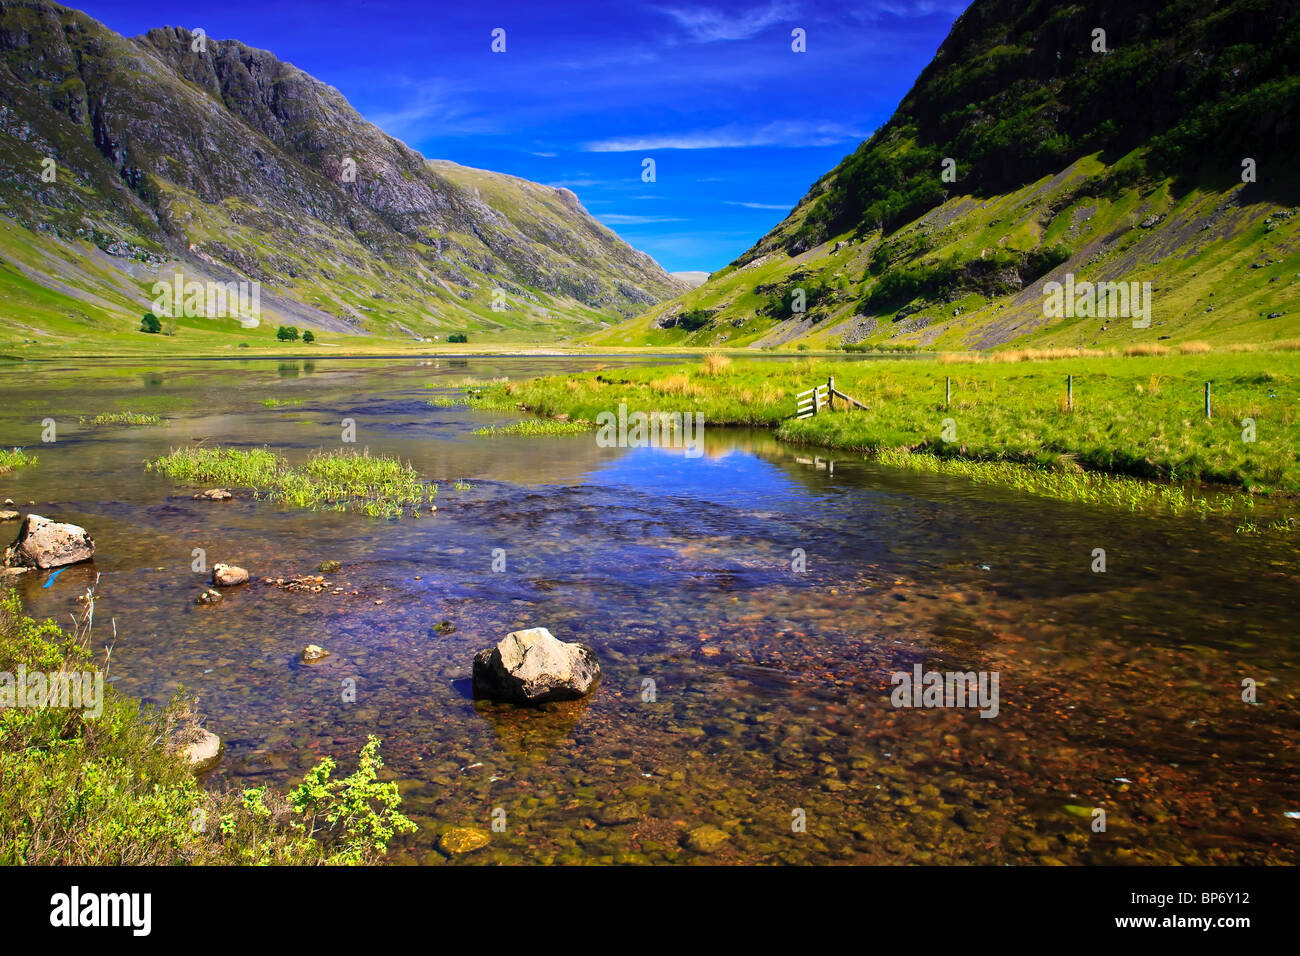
376, 485
121, 418
1135, 417
116, 789
11, 458
535, 428
281, 402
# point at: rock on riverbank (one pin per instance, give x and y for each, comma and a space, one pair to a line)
42, 543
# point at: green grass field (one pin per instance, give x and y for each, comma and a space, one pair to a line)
1138, 416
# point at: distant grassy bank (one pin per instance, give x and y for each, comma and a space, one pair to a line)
117, 789
1138, 415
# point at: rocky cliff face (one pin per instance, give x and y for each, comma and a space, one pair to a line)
221, 158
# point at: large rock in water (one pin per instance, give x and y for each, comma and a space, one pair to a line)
42, 543
532, 666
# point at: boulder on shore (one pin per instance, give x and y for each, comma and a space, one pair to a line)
42, 543
205, 752
532, 667
228, 575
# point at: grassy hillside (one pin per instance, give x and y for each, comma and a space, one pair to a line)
1116, 165
114, 181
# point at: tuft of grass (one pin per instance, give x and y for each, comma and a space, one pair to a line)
121, 418
281, 402
374, 485
1195, 348
715, 363
11, 458
535, 428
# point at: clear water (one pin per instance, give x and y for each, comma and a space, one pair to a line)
771, 688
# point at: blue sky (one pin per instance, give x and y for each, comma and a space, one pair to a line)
739, 125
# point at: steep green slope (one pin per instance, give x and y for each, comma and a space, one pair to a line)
222, 163
1118, 165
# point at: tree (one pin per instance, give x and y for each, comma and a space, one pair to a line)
308, 337
150, 324
287, 333
458, 337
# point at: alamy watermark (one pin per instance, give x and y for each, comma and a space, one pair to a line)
67, 690
922, 688
652, 430
240, 300
1110, 300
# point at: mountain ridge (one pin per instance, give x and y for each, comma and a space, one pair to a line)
221, 160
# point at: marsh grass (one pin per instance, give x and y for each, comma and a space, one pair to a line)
121, 418
281, 402
535, 428
11, 458
374, 485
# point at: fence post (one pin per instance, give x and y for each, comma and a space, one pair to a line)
947, 390
1069, 392
1207, 399
830, 392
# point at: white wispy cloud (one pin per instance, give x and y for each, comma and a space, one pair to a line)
758, 205
708, 25
789, 134
619, 219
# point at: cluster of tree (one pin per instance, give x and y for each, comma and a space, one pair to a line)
692, 320
289, 333
796, 299
458, 337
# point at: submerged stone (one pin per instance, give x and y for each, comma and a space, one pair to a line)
460, 840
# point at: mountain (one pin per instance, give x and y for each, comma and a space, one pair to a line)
1114, 156
175, 153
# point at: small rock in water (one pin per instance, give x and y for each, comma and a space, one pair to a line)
706, 839
329, 567
214, 494
615, 813
205, 752
314, 652
210, 596
532, 666
42, 543
444, 627
460, 840
8, 515
228, 575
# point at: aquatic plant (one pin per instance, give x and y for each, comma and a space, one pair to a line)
535, 428
11, 458
121, 418
374, 485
